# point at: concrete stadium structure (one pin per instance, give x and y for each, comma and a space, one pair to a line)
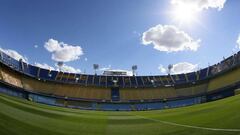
100, 92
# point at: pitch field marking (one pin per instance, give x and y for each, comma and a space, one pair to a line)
189, 126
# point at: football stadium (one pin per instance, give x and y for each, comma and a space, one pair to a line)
24, 88
55, 97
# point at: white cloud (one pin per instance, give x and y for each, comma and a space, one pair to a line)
162, 69
62, 52
169, 38
85, 59
106, 68
66, 68
182, 67
35, 46
14, 54
44, 65
200, 5
238, 42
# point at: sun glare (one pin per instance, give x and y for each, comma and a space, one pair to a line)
185, 13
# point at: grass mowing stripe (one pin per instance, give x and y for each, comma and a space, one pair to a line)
46, 113
11, 125
63, 126
161, 122
54, 109
28, 109
189, 126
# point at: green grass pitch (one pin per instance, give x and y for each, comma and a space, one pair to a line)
20, 117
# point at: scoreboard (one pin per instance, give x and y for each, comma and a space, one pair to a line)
115, 73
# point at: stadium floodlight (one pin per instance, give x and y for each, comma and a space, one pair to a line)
95, 67
152, 81
1, 55
77, 79
134, 68
208, 64
170, 66
60, 65
115, 82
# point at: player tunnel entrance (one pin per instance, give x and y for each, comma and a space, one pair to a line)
115, 95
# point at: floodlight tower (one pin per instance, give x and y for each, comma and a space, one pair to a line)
95, 67
170, 66
60, 65
134, 68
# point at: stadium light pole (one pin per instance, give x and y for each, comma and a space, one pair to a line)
60, 65
170, 66
1, 55
95, 67
134, 68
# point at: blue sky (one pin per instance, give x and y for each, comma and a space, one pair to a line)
110, 32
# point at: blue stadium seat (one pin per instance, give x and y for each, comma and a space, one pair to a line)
133, 81
183, 102
103, 81
83, 79
179, 78
115, 107
139, 81
158, 81
96, 80
71, 78
26, 69
90, 80
33, 71
120, 81
43, 99
44, 74
52, 75
203, 73
110, 81
147, 82
127, 81
64, 77
192, 77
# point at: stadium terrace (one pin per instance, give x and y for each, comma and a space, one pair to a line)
125, 93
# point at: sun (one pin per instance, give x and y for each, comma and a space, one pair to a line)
185, 13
